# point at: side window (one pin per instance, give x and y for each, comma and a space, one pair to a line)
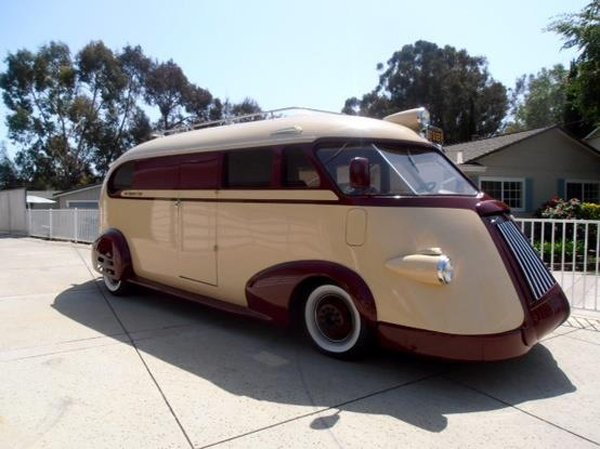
199, 171
122, 178
249, 168
159, 173
298, 171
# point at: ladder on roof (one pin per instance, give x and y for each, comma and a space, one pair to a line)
257, 116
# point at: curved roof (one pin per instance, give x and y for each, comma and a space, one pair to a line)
306, 127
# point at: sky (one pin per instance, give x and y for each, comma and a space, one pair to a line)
311, 53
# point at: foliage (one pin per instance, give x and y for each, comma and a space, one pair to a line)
66, 112
463, 99
590, 211
582, 31
569, 247
70, 117
559, 209
538, 100
9, 177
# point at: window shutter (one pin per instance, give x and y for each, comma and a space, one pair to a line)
560, 188
529, 206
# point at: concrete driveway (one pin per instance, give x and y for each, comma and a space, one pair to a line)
81, 369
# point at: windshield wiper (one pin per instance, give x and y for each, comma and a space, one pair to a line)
336, 154
412, 161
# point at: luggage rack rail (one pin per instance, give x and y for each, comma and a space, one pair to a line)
257, 116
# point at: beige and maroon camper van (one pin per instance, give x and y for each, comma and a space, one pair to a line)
359, 229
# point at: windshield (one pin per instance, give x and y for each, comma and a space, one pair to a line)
396, 171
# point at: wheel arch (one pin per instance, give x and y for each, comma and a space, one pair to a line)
280, 291
110, 252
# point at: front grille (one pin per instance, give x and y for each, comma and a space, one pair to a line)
538, 276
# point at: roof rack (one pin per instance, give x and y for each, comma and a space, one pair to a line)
257, 116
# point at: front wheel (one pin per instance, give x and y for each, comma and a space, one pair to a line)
116, 287
334, 324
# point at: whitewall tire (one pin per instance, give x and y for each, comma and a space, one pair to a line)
114, 286
333, 322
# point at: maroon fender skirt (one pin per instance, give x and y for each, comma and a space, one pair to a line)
541, 319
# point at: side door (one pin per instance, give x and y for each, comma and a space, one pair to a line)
199, 176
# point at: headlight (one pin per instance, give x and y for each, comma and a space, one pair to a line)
445, 270
429, 266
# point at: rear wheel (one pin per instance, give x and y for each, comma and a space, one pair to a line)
334, 324
116, 287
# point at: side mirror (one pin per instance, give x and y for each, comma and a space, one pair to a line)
360, 177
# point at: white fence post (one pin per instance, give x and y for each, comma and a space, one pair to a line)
573, 256
75, 224
65, 224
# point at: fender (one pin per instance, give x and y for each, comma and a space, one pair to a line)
273, 291
110, 253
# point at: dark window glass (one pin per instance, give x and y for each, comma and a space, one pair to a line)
199, 171
298, 171
395, 170
249, 168
588, 192
510, 192
159, 173
122, 178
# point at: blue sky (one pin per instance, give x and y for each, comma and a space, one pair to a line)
310, 53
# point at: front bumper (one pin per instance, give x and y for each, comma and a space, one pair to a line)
543, 317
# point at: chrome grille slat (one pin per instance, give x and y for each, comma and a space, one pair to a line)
538, 277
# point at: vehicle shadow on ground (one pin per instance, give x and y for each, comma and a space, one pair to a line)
251, 359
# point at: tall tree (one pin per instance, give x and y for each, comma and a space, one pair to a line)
538, 100
582, 31
461, 96
9, 177
72, 116
179, 101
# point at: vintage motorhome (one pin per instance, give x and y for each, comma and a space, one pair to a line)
359, 229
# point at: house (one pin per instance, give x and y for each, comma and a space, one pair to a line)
526, 169
79, 198
41, 199
593, 138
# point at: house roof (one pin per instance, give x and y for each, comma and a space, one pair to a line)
77, 189
472, 151
594, 134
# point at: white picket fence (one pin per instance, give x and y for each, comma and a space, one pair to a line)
78, 225
571, 248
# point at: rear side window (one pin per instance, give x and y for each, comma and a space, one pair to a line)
156, 174
199, 171
122, 178
298, 171
249, 168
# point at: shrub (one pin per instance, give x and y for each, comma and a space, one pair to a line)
590, 211
559, 209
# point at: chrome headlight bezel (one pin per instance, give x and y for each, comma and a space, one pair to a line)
445, 270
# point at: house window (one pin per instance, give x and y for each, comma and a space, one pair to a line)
509, 190
82, 204
586, 191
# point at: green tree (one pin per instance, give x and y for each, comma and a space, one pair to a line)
461, 96
9, 177
582, 31
538, 100
179, 101
71, 117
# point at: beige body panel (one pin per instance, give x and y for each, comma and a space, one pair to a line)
253, 236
